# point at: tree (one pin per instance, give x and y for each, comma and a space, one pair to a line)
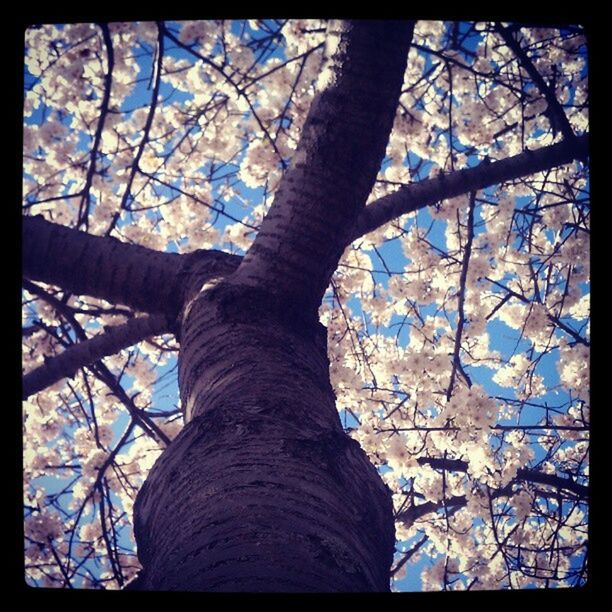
367, 243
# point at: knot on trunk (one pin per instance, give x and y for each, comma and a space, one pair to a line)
235, 303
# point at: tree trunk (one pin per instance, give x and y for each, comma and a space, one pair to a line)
262, 490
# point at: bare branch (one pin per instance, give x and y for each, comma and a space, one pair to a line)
558, 118
461, 295
100, 370
409, 554
409, 516
525, 474
104, 267
108, 83
424, 193
146, 130
85, 353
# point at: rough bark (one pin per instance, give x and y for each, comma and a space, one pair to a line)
429, 191
263, 491
274, 511
334, 167
104, 267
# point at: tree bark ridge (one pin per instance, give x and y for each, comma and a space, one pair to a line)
334, 167
269, 507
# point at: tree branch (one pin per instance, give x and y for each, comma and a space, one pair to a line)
89, 351
104, 267
148, 281
409, 516
555, 320
557, 116
108, 83
334, 167
525, 474
139, 416
146, 130
408, 555
461, 294
240, 91
429, 191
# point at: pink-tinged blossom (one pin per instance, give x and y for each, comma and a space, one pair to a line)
392, 320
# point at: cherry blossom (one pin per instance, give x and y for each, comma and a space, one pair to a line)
463, 372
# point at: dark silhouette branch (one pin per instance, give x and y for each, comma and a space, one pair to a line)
105, 268
461, 294
557, 116
212, 207
146, 130
84, 353
528, 475
108, 83
409, 554
144, 421
240, 91
409, 516
62, 256
555, 320
430, 191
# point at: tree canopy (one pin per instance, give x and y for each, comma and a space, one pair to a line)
457, 319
